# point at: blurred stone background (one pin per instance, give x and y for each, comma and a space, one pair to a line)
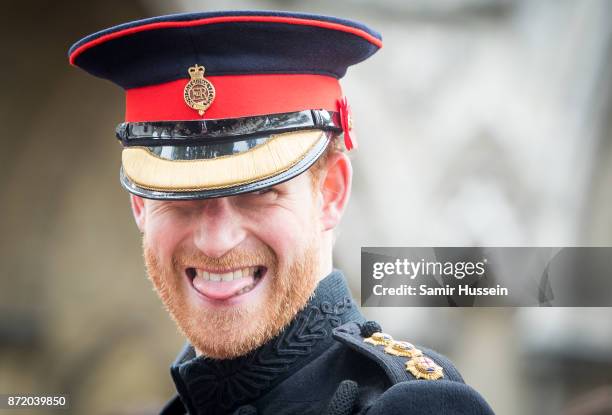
480, 122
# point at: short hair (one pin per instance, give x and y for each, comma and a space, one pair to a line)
316, 169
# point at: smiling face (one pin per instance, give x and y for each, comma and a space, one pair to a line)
234, 271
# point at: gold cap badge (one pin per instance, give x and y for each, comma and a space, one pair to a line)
199, 93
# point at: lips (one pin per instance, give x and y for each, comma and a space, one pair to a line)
225, 284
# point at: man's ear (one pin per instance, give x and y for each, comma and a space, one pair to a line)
335, 187
138, 209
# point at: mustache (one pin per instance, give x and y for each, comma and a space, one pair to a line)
236, 258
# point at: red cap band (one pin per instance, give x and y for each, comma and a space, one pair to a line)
235, 96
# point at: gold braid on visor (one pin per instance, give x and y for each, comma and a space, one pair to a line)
163, 164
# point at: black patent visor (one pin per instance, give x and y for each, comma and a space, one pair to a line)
196, 132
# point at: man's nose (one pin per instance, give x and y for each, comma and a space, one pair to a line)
219, 228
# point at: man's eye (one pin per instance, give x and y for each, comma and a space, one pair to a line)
264, 196
263, 191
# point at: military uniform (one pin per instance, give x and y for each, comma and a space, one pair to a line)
322, 364
224, 103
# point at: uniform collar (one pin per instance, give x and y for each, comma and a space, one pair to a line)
208, 386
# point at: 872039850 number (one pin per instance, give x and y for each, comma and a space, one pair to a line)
28, 401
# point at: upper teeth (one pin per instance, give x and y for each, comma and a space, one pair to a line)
228, 276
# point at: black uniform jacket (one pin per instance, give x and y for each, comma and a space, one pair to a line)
320, 364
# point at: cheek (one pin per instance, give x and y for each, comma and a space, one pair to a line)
163, 235
286, 231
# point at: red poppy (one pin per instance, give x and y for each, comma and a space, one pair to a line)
346, 121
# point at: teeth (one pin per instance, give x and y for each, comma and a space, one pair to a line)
228, 276
245, 289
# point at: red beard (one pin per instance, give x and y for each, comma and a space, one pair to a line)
236, 330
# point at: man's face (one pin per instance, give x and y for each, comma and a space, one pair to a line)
234, 271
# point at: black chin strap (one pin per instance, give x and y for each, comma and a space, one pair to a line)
194, 132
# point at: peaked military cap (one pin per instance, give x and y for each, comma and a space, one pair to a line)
224, 103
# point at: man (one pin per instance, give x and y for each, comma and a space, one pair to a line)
234, 122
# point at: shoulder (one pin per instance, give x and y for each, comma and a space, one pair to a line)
400, 360
422, 380
440, 397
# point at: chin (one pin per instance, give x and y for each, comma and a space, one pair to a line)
224, 329
219, 317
